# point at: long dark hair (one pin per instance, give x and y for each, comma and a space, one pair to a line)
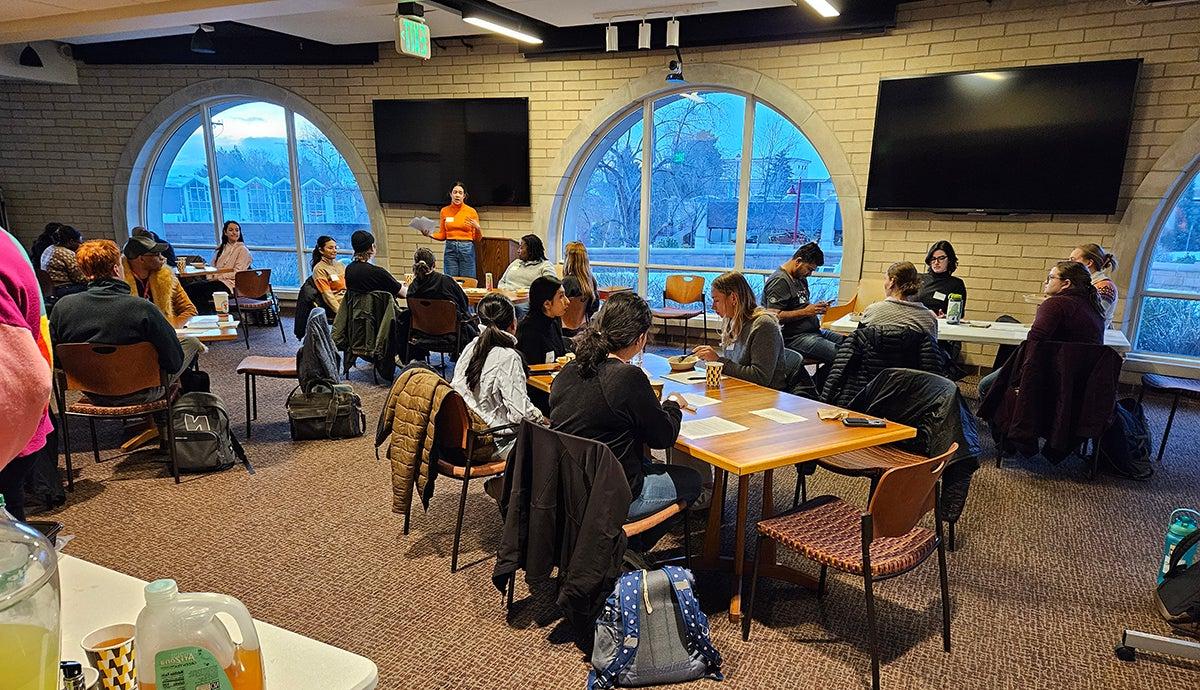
951, 257
424, 262
65, 234
542, 290
623, 319
321, 241
496, 314
1081, 283
535, 251
241, 237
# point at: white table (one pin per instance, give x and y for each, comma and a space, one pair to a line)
94, 596
996, 333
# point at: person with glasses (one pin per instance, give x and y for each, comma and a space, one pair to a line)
939, 282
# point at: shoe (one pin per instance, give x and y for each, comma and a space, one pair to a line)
494, 487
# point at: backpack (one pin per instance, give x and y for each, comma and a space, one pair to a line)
652, 632
1125, 446
1178, 596
203, 441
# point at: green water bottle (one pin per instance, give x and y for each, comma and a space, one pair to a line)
954, 308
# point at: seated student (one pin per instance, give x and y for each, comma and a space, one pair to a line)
364, 276
602, 397
428, 283
1072, 312
939, 282
45, 239
58, 260
786, 293
578, 280
490, 374
1100, 264
168, 253
231, 254
329, 273
107, 313
540, 335
146, 275
751, 343
530, 263
901, 284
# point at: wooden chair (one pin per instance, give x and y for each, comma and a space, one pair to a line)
257, 283
576, 317
110, 370
435, 327
1171, 384
466, 282
254, 366
683, 290
837, 311
878, 544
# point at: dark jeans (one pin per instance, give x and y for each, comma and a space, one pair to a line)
12, 484
201, 293
662, 485
821, 345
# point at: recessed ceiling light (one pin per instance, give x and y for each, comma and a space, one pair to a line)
502, 30
823, 8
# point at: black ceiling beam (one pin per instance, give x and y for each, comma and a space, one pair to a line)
236, 44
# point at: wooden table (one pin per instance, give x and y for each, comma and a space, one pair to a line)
207, 328
763, 448
475, 295
993, 333
190, 271
94, 597
610, 290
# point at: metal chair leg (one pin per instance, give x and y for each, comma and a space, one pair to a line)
872, 633
748, 612
66, 438
801, 488
462, 507
278, 316
944, 580
171, 446
821, 582
1167, 431
687, 539
951, 531
247, 406
407, 513
95, 445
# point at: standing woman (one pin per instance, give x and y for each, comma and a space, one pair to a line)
233, 255
530, 264
578, 280
1100, 264
939, 282
459, 228
329, 273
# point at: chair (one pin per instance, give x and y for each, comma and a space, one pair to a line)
256, 281
466, 282
110, 370
47, 287
576, 316
1171, 384
254, 366
837, 311
683, 290
435, 327
878, 544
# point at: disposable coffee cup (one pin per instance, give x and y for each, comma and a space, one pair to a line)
657, 386
712, 375
221, 302
110, 651
181, 264
487, 281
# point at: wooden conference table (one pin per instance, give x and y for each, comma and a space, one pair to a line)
475, 295
764, 447
986, 332
207, 328
94, 597
190, 271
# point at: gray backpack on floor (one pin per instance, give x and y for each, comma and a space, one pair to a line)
652, 632
203, 441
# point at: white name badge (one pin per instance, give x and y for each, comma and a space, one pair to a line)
939, 295
450, 219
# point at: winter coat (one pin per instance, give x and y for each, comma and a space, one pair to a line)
165, 292
870, 350
317, 360
306, 300
366, 326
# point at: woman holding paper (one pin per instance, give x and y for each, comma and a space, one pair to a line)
459, 228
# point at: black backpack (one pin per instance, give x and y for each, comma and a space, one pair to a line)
1125, 445
203, 441
1178, 596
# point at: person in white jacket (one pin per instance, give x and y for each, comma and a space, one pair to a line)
531, 263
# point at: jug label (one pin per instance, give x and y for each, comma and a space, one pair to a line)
189, 668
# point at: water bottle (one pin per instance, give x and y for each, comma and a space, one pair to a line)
1183, 522
487, 281
954, 308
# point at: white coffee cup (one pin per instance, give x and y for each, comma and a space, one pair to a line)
221, 302
551, 358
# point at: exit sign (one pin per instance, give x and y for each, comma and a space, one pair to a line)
412, 38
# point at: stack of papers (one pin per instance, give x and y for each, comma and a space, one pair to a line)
781, 416
694, 429
698, 401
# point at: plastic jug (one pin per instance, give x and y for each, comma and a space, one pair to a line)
1182, 523
29, 608
954, 308
182, 644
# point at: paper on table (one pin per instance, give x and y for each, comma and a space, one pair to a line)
699, 400
694, 429
777, 415
830, 413
686, 377
423, 224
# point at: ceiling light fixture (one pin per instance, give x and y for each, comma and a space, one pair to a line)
673, 33
823, 8
202, 41
643, 36
611, 39
502, 30
29, 57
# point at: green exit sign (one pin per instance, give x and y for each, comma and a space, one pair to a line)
412, 38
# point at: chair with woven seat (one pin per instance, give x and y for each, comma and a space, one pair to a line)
252, 291
254, 366
1170, 384
683, 290
878, 544
110, 371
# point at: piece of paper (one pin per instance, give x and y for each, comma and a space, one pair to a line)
694, 429
698, 401
423, 224
686, 377
777, 415
829, 413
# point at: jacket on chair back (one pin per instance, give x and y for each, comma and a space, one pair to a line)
365, 326
870, 350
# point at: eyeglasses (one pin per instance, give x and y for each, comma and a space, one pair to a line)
1052, 277
941, 258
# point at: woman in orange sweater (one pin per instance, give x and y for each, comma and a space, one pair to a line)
459, 229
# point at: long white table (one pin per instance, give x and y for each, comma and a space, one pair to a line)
995, 332
94, 596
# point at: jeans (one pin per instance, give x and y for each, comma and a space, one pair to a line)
986, 383
662, 486
459, 259
821, 345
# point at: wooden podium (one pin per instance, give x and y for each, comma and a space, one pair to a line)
493, 255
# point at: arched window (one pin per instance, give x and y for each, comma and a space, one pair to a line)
1168, 315
693, 160
236, 159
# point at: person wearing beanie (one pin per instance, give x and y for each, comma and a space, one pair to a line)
364, 276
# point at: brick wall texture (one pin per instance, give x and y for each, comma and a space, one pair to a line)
59, 145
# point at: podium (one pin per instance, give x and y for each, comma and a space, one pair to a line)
493, 255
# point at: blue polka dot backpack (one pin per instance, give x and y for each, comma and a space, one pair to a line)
652, 632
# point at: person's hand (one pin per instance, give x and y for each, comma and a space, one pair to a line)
941, 313
473, 223
706, 353
681, 402
810, 310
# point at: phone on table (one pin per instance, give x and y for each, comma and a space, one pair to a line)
864, 421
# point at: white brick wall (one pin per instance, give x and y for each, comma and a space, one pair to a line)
59, 144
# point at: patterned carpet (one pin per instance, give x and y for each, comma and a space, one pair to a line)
1050, 567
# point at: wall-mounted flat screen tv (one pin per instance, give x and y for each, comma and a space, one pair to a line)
422, 147
1043, 139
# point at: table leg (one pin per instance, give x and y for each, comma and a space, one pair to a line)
768, 510
739, 548
711, 558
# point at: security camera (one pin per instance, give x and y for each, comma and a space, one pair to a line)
675, 68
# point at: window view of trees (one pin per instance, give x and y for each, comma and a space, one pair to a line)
1170, 309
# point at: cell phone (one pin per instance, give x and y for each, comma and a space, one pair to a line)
864, 421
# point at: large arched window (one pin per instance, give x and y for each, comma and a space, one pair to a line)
709, 209
239, 159
1168, 315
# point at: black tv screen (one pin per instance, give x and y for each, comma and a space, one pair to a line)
423, 147
1044, 139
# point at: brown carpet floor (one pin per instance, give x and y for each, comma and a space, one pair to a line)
1050, 567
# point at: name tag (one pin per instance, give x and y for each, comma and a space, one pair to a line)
939, 295
450, 219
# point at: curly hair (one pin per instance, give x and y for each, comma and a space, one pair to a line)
98, 258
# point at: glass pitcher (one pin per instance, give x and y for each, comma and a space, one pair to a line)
29, 608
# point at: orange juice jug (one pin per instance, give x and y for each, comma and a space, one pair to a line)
182, 644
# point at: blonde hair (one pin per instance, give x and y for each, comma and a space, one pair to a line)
735, 285
576, 264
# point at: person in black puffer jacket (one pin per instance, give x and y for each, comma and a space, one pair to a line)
871, 349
